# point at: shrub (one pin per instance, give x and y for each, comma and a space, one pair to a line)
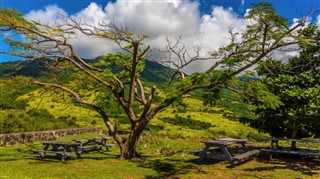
154, 128
34, 120
187, 122
14, 121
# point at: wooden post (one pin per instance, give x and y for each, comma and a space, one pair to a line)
204, 153
228, 155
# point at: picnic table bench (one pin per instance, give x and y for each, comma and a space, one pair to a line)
78, 147
218, 149
61, 149
275, 148
93, 144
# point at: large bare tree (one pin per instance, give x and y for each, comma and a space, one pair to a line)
267, 33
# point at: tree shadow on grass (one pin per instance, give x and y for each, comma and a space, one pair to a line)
25, 153
7, 160
84, 156
205, 161
304, 165
14, 157
168, 168
50, 159
93, 156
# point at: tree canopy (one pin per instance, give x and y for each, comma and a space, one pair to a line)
297, 83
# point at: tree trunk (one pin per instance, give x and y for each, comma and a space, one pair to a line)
128, 148
294, 136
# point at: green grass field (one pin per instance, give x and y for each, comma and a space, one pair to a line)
165, 147
162, 157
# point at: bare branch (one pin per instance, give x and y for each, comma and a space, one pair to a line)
148, 104
143, 97
179, 56
78, 99
143, 54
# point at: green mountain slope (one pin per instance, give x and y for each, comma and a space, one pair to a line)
153, 71
25, 107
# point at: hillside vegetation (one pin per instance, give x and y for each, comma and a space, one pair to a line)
25, 107
199, 122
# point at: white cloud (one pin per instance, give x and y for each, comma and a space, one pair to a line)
51, 14
292, 50
214, 28
90, 47
213, 32
92, 13
158, 19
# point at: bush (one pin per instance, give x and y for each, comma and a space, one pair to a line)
14, 121
187, 122
154, 128
9, 102
33, 120
93, 122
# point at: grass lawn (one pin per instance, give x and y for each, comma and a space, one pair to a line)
162, 157
165, 147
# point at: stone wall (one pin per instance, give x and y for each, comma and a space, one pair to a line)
26, 137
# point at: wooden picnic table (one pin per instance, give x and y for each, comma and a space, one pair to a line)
80, 146
219, 149
293, 149
61, 149
93, 144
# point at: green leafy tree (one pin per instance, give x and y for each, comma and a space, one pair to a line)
297, 84
141, 102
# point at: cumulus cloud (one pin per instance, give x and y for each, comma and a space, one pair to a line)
93, 13
49, 15
213, 32
214, 28
158, 19
292, 50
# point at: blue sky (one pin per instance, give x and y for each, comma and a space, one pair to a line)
202, 22
287, 8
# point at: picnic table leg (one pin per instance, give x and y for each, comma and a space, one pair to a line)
104, 143
78, 156
107, 148
41, 155
63, 157
228, 156
293, 145
78, 153
274, 142
244, 146
46, 147
204, 153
